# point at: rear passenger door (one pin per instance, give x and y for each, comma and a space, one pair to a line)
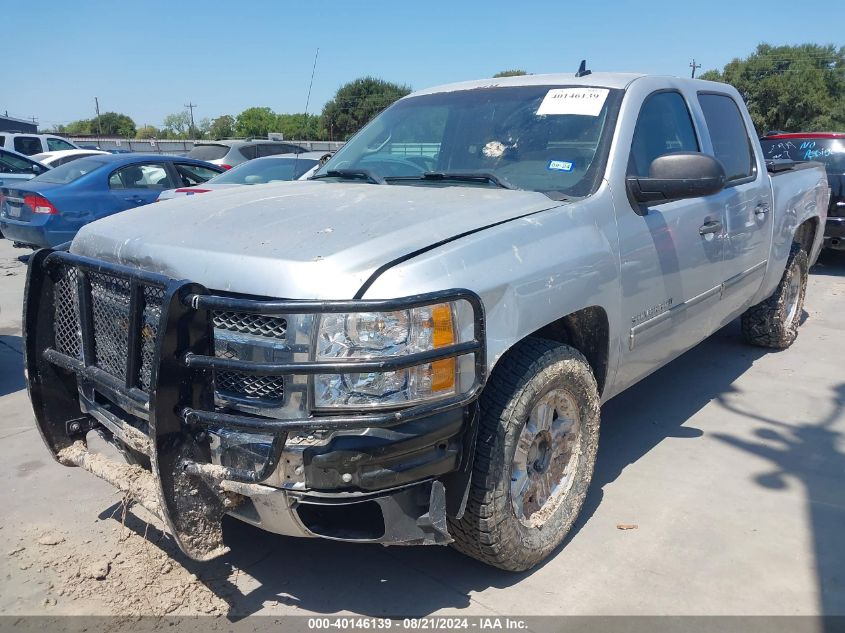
671, 252
138, 184
747, 200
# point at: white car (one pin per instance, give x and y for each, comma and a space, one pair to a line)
30, 144
16, 168
54, 159
256, 172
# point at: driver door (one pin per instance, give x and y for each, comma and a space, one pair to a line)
671, 253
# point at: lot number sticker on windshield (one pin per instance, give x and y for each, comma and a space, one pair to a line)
584, 101
561, 165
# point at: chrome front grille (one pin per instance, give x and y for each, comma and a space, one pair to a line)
255, 324
250, 334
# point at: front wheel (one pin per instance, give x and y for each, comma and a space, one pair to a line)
537, 445
774, 322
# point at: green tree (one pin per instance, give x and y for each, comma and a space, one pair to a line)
255, 122
147, 131
302, 127
791, 88
82, 126
177, 125
510, 73
113, 124
356, 102
222, 126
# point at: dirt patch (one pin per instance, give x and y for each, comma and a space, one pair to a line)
131, 574
10, 266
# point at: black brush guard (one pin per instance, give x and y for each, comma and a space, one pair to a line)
167, 388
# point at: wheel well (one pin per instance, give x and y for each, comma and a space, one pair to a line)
805, 234
587, 331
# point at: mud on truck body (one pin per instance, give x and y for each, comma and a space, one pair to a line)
412, 347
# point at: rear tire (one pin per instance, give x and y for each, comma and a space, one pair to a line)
537, 444
774, 322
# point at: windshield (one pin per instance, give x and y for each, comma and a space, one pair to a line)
64, 174
208, 151
538, 138
830, 151
263, 170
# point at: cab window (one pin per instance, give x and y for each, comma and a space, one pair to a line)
28, 145
664, 126
731, 144
57, 145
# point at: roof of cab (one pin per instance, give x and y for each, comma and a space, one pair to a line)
603, 80
597, 79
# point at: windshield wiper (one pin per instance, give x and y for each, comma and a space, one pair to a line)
352, 174
468, 176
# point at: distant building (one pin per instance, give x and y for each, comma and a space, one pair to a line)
10, 124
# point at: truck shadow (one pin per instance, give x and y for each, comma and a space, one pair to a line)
11, 364
327, 577
805, 452
831, 263
634, 422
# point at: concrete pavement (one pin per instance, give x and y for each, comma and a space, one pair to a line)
730, 461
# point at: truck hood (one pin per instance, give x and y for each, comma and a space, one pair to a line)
297, 240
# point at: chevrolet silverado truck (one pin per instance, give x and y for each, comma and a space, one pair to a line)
413, 346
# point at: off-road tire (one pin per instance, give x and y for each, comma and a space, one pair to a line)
767, 324
489, 530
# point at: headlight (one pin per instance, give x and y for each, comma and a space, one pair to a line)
372, 335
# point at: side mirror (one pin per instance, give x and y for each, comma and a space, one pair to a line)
678, 176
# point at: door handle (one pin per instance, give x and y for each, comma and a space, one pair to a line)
762, 209
134, 199
711, 226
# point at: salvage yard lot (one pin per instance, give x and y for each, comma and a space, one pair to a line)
729, 462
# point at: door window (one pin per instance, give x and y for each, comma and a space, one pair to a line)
664, 126
731, 144
58, 144
11, 164
145, 176
28, 145
248, 151
193, 174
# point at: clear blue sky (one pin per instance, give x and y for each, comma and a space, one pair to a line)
147, 58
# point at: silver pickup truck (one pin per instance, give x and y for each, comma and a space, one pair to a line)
413, 346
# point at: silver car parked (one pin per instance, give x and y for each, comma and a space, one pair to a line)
229, 153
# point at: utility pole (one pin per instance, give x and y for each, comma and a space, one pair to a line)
694, 66
97, 108
191, 107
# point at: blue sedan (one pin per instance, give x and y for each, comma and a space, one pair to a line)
49, 209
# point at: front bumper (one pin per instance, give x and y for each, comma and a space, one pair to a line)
153, 397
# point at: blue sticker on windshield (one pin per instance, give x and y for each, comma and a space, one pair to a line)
561, 165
